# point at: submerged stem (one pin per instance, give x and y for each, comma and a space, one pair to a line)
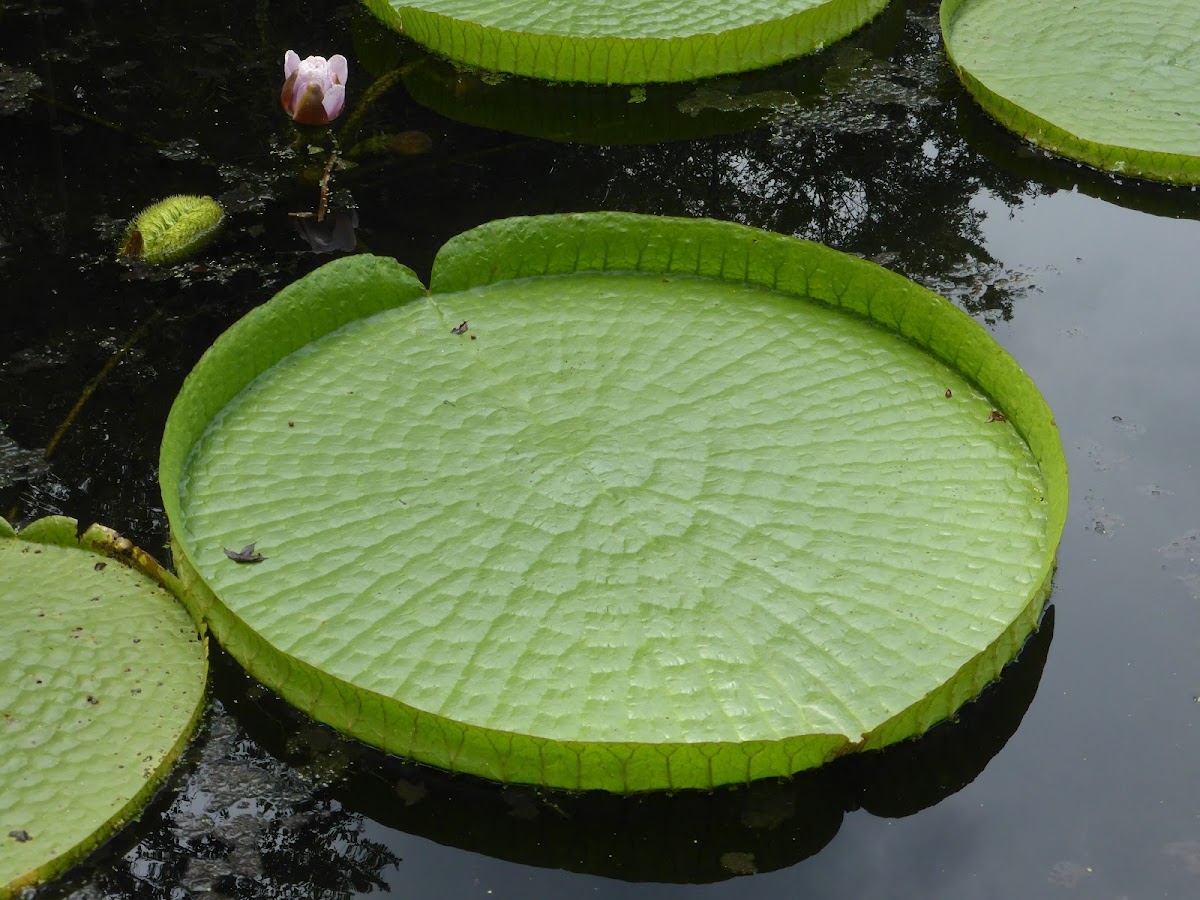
95, 383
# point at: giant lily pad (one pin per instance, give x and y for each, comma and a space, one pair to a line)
102, 680
624, 41
1109, 84
619, 114
622, 502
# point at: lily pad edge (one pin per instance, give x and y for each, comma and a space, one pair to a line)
63, 531
603, 242
1173, 168
622, 60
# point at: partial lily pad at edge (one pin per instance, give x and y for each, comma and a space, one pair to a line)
624, 42
102, 684
623, 502
1110, 85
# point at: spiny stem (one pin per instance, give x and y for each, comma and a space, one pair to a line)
324, 204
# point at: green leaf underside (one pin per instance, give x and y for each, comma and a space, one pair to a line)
102, 679
644, 530
629, 41
1116, 85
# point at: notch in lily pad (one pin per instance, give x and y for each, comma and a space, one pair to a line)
172, 229
650, 564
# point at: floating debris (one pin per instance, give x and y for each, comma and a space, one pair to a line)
245, 555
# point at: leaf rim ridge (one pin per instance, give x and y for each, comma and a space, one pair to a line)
591, 242
111, 547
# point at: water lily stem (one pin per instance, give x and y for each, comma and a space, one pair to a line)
325, 176
58, 106
377, 89
95, 383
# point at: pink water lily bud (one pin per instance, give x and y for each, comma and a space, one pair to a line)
314, 91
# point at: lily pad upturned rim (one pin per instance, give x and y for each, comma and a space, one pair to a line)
109, 547
626, 60
1154, 165
599, 242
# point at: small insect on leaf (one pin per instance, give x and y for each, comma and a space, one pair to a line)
135, 245
997, 416
20, 835
949, 393
460, 329
245, 555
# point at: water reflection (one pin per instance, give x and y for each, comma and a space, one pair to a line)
875, 170
242, 824
619, 114
870, 159
278, 803
870, 163
1011, 154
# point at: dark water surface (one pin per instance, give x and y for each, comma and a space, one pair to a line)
1076, 775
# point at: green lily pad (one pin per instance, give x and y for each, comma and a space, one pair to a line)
102, 683
626, 41
623, 502
620, 114
1114, 86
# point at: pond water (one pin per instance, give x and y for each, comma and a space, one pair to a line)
1073, 776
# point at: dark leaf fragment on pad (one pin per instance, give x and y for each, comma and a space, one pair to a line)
245, 555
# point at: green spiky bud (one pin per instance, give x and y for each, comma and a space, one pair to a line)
172, 229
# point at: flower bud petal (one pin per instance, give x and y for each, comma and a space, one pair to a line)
335, 99
314, 90
310, 109
338, 68
288, 95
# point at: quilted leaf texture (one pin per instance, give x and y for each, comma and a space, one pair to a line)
626, 41
1114, 85
623, 502
102, 683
